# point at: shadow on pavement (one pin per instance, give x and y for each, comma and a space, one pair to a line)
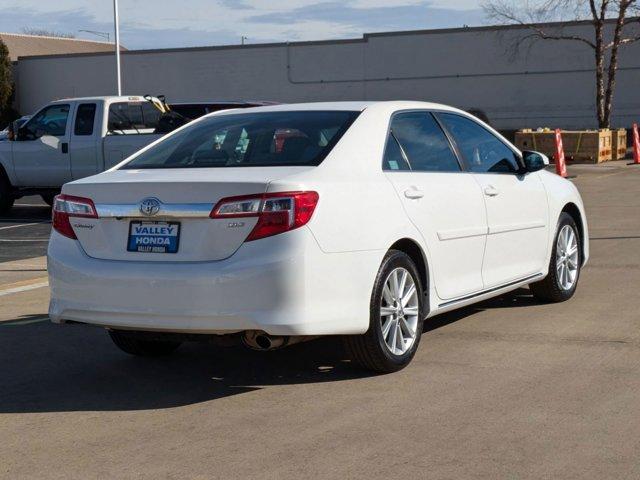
52, 368
518, 298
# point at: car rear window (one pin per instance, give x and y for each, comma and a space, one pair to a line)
265, 139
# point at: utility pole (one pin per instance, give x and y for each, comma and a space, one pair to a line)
116, 21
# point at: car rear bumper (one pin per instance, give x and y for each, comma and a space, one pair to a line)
283, 285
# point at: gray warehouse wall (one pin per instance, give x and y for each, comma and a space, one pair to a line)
546, 84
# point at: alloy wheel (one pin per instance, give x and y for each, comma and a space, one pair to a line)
567, 258
399, 311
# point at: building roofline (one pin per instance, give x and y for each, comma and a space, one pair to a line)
49, 37
364, 39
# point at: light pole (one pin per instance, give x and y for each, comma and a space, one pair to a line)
116, 21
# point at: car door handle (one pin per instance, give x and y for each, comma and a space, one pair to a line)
65, 147
413, 193
491, 191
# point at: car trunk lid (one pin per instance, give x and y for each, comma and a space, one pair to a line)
162, 215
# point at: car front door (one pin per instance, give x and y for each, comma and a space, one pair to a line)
517, 208
41, 151
444, 203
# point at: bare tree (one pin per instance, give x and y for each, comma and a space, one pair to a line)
42, 32
614, 27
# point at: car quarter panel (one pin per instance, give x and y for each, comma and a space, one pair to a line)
560, 193
358, 208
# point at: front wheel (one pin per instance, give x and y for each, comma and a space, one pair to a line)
565, 264
133, 345
395, 321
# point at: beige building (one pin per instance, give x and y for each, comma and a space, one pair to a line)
21, 45
24, 46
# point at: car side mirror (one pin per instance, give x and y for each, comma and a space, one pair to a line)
534, 161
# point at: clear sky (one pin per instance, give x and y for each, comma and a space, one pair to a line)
178, 23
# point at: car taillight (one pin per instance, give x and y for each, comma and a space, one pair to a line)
277, 212
67, 206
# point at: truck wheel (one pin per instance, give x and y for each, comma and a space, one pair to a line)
132, 345
396, 314
6, 196
48, 198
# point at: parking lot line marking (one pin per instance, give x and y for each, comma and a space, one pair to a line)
22, 225
26, 220
12, 323
24, 286
24, 240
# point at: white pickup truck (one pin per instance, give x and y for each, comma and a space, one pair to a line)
70, 139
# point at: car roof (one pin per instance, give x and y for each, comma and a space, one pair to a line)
225, 102
344, 106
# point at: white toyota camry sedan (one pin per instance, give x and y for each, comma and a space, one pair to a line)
277, 224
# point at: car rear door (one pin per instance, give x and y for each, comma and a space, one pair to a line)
517, 208
41, 152
444, 203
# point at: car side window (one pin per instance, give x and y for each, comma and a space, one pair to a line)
483, 151
393, 157
49, 121
424, 143
85, 118
133, 117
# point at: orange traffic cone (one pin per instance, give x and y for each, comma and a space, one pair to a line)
636, 145
561, 167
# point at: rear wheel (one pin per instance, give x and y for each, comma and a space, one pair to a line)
396, 314
6, 196
564, 266
130, 343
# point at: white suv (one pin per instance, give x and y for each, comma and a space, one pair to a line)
278, 224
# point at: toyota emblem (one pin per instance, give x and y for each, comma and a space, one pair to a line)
150, 207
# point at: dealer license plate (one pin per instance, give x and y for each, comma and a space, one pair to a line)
154, 237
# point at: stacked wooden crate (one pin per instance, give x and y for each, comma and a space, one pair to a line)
541, 140
619, 144
584, 146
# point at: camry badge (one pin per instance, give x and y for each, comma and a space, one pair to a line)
150, 207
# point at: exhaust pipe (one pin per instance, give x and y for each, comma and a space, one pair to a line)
258, 340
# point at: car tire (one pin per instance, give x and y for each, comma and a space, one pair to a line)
132, 345
6, 196
373, 350
564, 266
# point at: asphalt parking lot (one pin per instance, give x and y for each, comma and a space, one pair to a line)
506, 389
